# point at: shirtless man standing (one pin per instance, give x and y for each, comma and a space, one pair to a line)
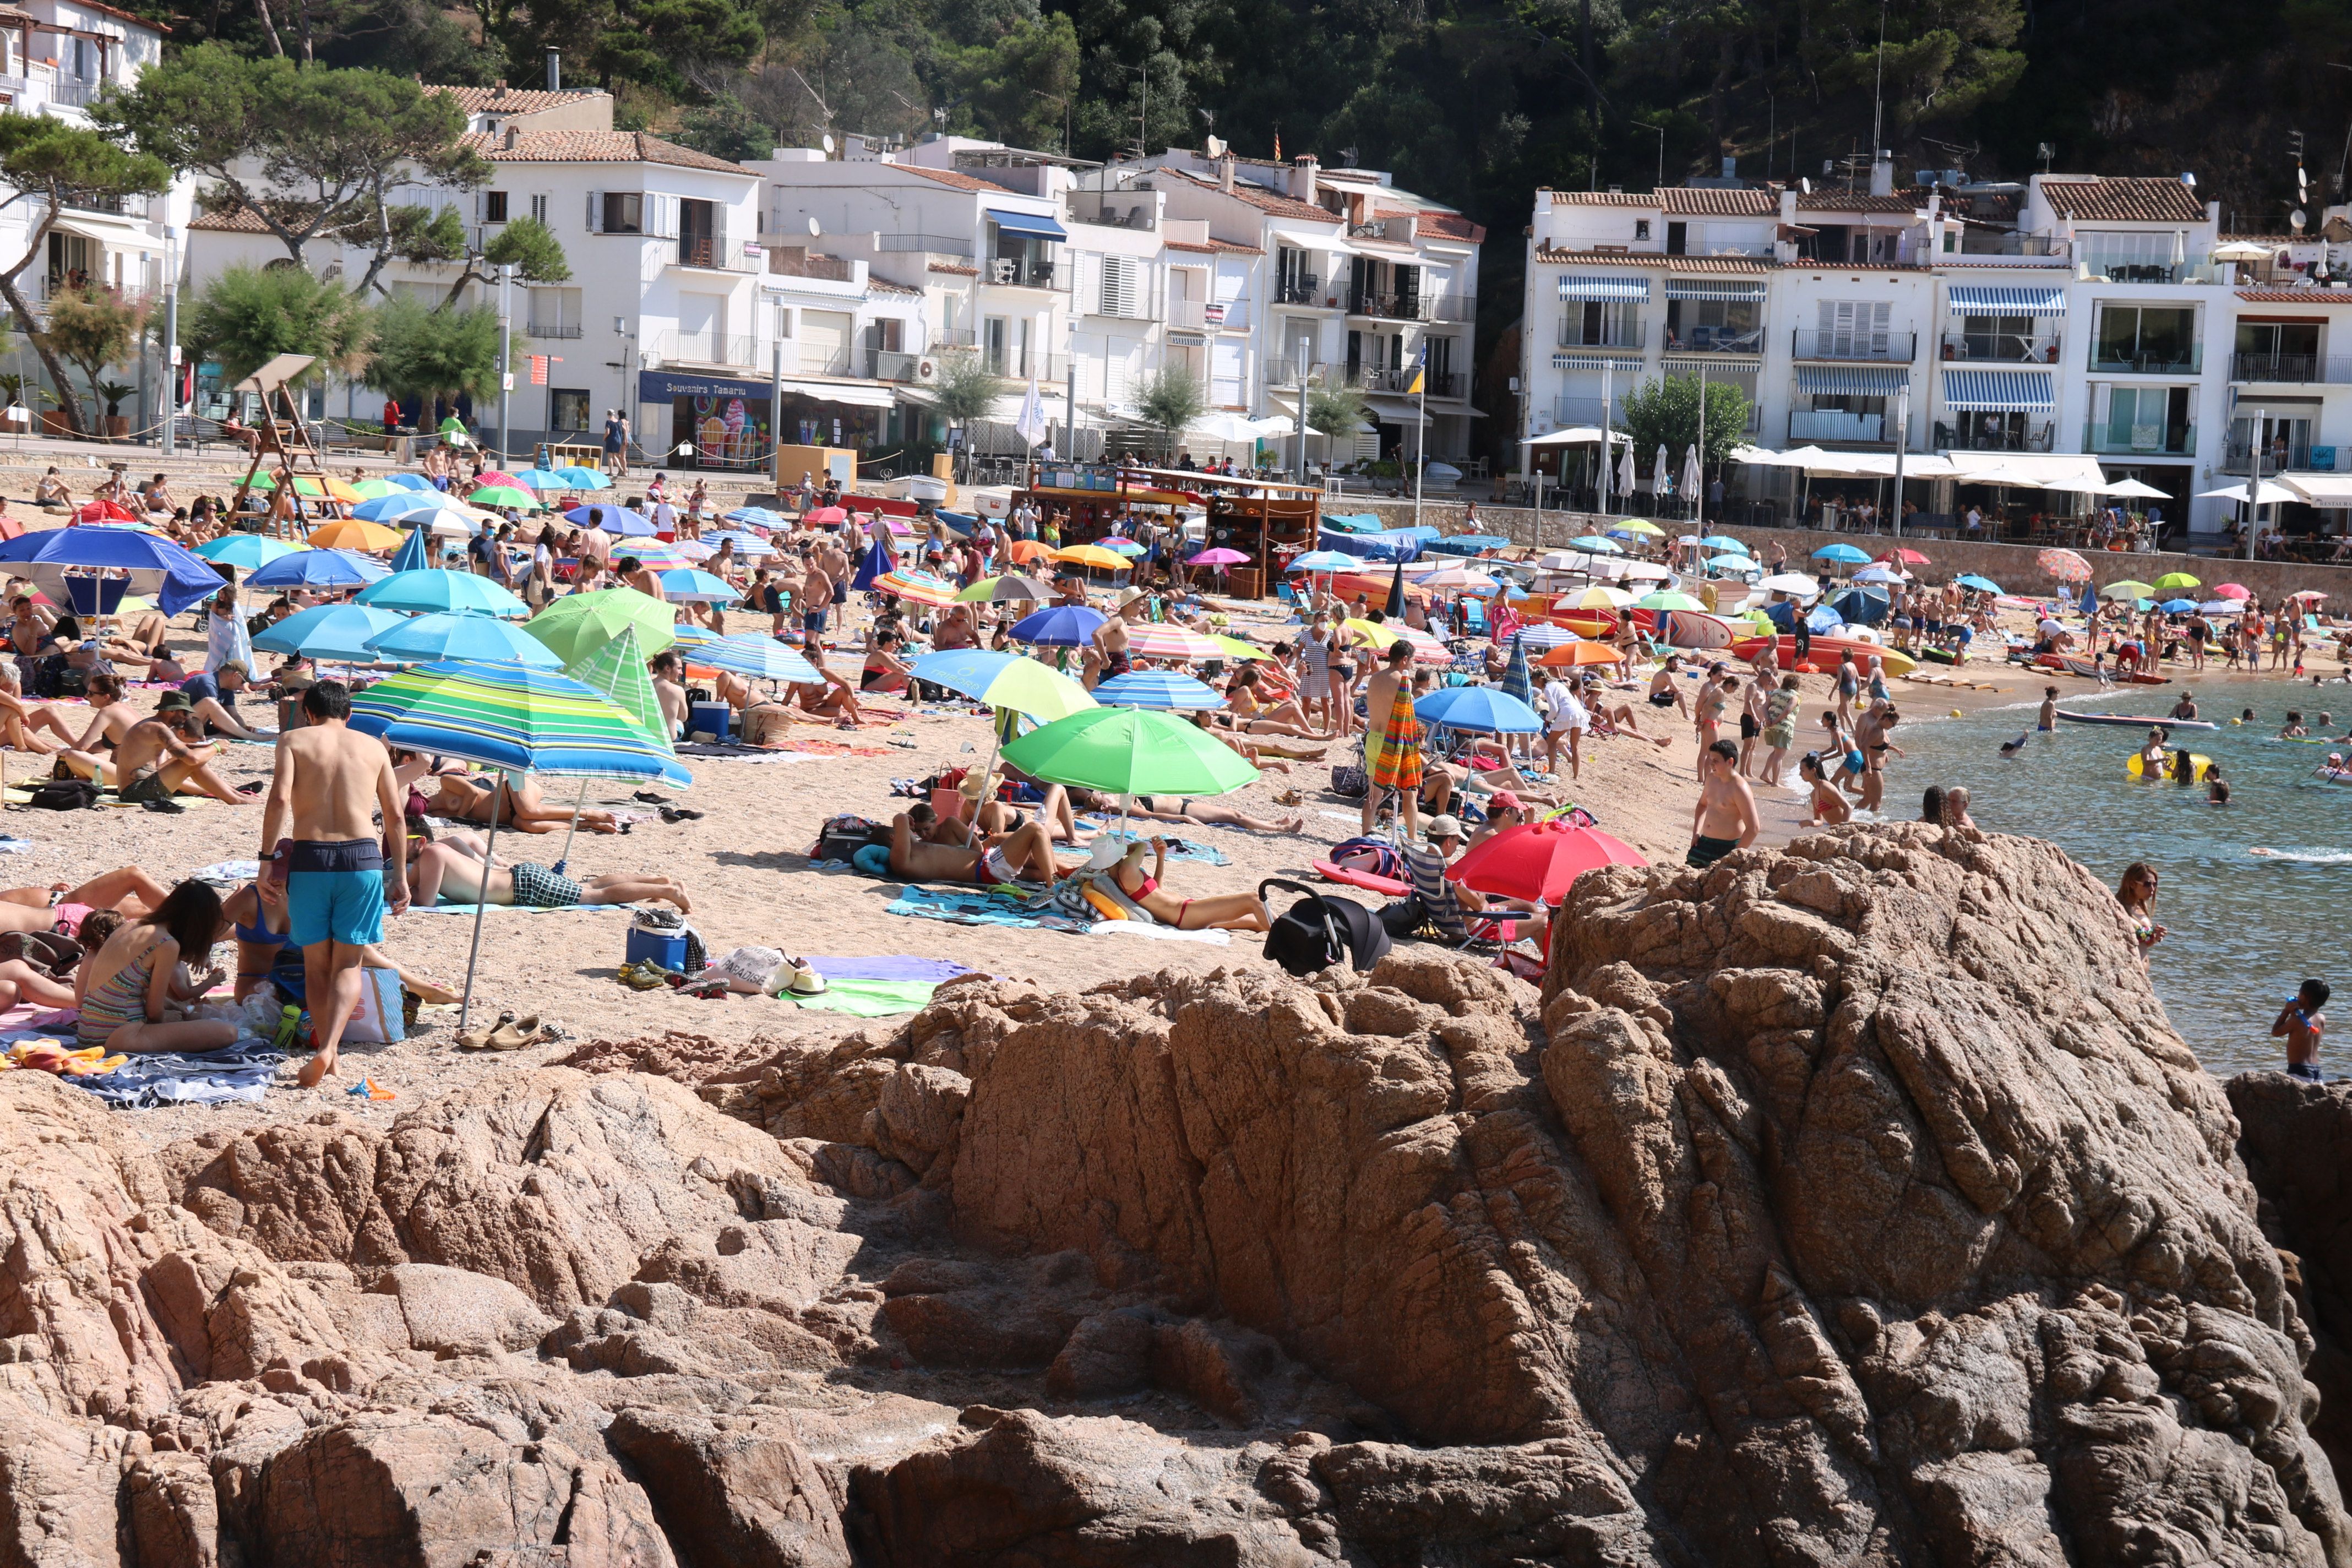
1108, 657
815, 601
1725, 818
339, 874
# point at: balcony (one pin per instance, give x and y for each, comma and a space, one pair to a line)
741, 352
1302, 289
72, 92
546, 331
936, 244
1610, 334
2140, 440
1882, 348
2001, 348
1717, 340
1385, 306
1569, 412
2238, 457
1399, 381
1014, 272
711, 255
2292, 369
1048, 371
1292, 371
1209, 315
1839, 426
2117, 360
1113, 209
1993, 247
2030, 437
799, 261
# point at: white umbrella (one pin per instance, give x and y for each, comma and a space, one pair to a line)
1577, 435
1795, 582
1658, 472
1692, 478
2269, 494
1625, 473
1646, 570
1879, 574
2133, 487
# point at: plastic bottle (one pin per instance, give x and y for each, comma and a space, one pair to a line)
290, 1025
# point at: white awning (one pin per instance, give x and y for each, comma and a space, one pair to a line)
121, 233
1612, 288
859, 395
1578, 435
1999, 391
2330, 491
2051, 470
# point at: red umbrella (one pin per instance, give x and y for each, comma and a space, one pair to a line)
1539, 860
1905, 556
104, 511
827, 517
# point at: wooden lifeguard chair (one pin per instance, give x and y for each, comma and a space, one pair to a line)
288, 436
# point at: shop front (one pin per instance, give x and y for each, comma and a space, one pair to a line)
729, 422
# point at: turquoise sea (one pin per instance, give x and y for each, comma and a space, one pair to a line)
2243, 929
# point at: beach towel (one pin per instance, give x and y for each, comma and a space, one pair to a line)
467, 910
243, 1072
1395, 762
978, 909
1177, 848
886, 967
723, 752
226, 873
1163, 933
868, 998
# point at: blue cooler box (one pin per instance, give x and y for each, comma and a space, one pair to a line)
714, 718
665, 948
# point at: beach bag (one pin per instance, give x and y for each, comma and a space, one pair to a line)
842, 836
50, 954
1319, 930
63, 794
1350, 781
379, 1019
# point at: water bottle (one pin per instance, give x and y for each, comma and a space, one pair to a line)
290, 1025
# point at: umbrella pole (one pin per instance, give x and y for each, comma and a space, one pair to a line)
481, 907
560, 860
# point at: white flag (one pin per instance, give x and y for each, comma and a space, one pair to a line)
1031, 426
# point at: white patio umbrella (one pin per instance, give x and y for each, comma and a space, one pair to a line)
1658, 472
1692, 478
1625, 477
1795, 582
2267, 495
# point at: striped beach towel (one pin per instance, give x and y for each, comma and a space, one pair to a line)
1398, 765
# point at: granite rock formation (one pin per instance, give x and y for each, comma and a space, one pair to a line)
1849, 1204
2297, 1145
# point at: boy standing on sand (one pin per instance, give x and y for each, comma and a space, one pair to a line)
2302, 1023
332, 782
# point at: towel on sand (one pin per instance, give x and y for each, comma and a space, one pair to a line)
242, 1072
886, 967
467, 910
868, 998
975, 907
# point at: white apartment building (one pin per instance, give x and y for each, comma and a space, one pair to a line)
2070, 317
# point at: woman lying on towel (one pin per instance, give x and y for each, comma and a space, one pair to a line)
466, 799
1218, 911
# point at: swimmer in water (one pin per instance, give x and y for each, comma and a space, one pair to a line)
2293, 729
1829, 803
2153, 760
2011, 748
2247, 717
2047, 719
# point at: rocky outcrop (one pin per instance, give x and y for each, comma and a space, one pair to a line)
2296, 1139
1850, 1204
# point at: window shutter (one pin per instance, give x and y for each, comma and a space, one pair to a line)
719, 230
1879, 314
595, 212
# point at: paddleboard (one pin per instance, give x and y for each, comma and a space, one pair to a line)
1693, 628
2197, 760
2127, 719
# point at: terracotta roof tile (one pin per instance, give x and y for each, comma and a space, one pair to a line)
883, 286
595, 147
962, 182
1710, 201
2296, 295
1215, 248
2138, 200
1604, 199
1905, 201
952, 270
244, 220
508, 100
1451, 224
1266, 201
1738, 266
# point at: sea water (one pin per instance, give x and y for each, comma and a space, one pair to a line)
2242, 930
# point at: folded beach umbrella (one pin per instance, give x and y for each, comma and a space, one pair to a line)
1519, 682
319, 569
417, 555
578, 623
243, 551
430, 589
1130, 750
688, 585
1399, 767
336, 633
1168, 691
1059, 626
477, 639
1484, 708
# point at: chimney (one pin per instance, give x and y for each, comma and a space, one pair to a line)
512, 134
1882, 174
1730, 166
1787, 204
498, 87
1303, 170
556, 70
1226, 174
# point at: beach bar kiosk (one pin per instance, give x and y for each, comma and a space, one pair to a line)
1267, 521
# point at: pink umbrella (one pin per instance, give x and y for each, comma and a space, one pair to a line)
1218, 557
2233, 591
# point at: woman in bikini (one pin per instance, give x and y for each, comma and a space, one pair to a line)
257, 917
1220, 911
124, 990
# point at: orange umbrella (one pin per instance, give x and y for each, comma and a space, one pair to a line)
353, 533
1030, 550
1580, 653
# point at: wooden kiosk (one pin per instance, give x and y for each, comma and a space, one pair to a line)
1266, 520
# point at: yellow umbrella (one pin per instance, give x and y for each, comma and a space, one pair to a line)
352, 533
1371, 632
1094, 555
1237, 647
1604, 598
1635, 525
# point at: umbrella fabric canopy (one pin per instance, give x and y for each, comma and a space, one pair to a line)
2307, 594
495, 477
1059, 626
745, 543
1903, 556
2126, 589
2064, 564
1880, 574
1234, 648
319, 569
1395, 606
415, 555
542, 480
654, 553
1324, 561
1594, 544
1223, 557
1027, 549
578, 623
1542, 634
2177, 607
618, 671
1844, 553
2135, 487
398, 504
370, 489
479, 639
579, 479
618, 520
1581, 653
1169, 690
246, 551
1123, 546
354, 534
1602, 596
1625, 477
1795, 582
1643, 572
1732, 564
825, 516
1379, 634
336, 633
1461, 577
1725, 541
2221, 608
1130, 751
1427, 649
2177, 580
757, 516
1092, 555
874, 565
1485, 708
1669, 600
429, 590
2233, 591
1005, 680
2265, 493
1539, 861
1011, 588
1637, 525
1982, 585
920, 587
181, 577
694, 550
1691, 480
1150, 641
409, 481
505, 495
104, 511
762, 659
685, 585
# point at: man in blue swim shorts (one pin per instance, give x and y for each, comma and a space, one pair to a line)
329, 784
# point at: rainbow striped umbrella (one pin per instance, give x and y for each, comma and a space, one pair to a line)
919, 586
655, 554
1161, 641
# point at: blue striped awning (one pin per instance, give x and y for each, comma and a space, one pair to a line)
1027, 225
1734, 289
2008, 300
1593, 361
1999, 391
1620, 290
1852, 380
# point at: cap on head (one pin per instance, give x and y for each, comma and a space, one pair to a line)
1446, 827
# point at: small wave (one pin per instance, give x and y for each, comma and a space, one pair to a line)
2303, 856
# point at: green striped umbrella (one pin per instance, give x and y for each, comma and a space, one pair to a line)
618, 671
579, 624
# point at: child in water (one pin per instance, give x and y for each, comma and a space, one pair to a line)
1828, 806
2293, 730
2301, 1022
2217, 789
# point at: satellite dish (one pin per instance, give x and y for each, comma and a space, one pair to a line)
1216, 147
829, 145
1806, 186
2297, 220
816, 229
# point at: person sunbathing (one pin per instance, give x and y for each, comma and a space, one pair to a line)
1254, 715
1617, 719
128, 890
447, 867
833, 700
923, 848
1216, 912
22, 723
1185, 809
1217, 724
257, 917
154, 760
466, 799
995, 814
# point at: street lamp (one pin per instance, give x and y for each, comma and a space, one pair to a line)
1661, 129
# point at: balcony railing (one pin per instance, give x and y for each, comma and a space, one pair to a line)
1714, 341
2001, 348
72, 91
707, 348
889, 364
1209, 315
2033, 437
715, 255
1567, 412
1301, 289
1610, 334
1838, 425
1012, 272
2238, 456
1048, 371
955, 338
1985, 242
2145, 440
1887, 348
1399, 380
1124, 209
546, 330
2295, 369
1292, 371
2118, 361
938, 244
1396, 307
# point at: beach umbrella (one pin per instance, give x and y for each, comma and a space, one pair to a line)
2126, 589
688, 585
336, 633
397, 504
1168, 691
409, 481
575, 477
1644, 572
514, 496
762, 658
2063, 565
1027, 549
1669, 600
1594, 544
373, 490
2178, 607
1130, 750
757, 516
1603, 596
1539, 861
1006, 680
1580, 653
1462, 577
750, 545
1880, 574
1325, 561
2221, 608
657, 554
1427, 649
1395, 606
1376, 633
319, 568
1160, 641
1011, 588
176, 576
1059, 626
2178, 580
1484, 708
1903, 556
1223, 557
618, 671
2233, 591
415, 555
1542, 634
1795, 582
616, 520
1637, 525
578, 623
354, 534
1124, 547
443, 635
1725, 541
431, 590
2090, 604
1731, 563
1234, 648
519, 721
1845, 554
1091, 556
1518, 681
2307, 594
694, 550
1982, 585
542, 480
494, 477
920, 587
244, 551
104, 511
825, 516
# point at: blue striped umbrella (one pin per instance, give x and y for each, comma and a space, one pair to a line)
428, 590
762, 659
744, 543
336, 633
1167, 689
758, 517
1516, 680
319, 569
476, 639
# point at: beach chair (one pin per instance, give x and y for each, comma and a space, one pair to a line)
1455, 925
1473, 621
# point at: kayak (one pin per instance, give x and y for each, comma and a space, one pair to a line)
2130, 720
2070, 665
1827, 651
2135, 766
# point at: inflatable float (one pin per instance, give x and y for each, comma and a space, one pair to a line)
1826, 652
2127, 719
2199, 762
2333, 776
1371, 883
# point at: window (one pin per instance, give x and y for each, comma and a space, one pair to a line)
1641, 229
993, 344
2132, 337
494, 206
624, 213
1293, 283
1121, 296
697, 235
1854, 329
539, 208
567, 410
1677, 239
1721, 326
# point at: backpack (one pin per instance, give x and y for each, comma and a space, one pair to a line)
63, 794
1320, 930
842, 836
